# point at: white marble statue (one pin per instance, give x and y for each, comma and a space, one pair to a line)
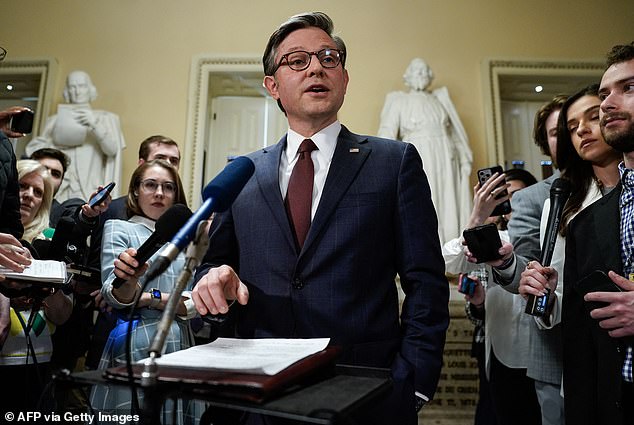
430, 122
91, 138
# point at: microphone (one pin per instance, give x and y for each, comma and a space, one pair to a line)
559, 193
218, 197
61, 240
166, 227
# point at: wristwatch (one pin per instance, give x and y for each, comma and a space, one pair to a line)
155, 298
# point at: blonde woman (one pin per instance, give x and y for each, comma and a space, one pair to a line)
25, 356
36, 197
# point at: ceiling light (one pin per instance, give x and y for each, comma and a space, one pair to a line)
9, 87
538, 89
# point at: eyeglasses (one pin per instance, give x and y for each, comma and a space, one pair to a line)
300, 59
151, 186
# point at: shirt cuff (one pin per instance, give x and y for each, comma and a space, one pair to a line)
421, 400
508, 273
189, 306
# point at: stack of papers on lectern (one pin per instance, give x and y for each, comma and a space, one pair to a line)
44, 271
267, 356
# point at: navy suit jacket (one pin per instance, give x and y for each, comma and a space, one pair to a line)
375, 220
592, 359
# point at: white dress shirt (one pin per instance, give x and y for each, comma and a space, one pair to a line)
326, 141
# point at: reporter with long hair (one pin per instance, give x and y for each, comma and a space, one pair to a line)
25, 356
154, 187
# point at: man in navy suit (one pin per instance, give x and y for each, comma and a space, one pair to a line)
372, 218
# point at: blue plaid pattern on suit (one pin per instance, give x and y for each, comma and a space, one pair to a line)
374, 220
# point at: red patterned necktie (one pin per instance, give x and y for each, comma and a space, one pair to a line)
299, 196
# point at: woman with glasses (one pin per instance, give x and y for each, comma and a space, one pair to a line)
154, 187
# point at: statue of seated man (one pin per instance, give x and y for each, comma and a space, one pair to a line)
92, 139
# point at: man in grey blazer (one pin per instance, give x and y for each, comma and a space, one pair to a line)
372, 218
545, 355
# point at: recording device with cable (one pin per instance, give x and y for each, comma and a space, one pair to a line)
559, 193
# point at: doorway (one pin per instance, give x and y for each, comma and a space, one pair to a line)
28, 83
239, 125
230, 114
512, 97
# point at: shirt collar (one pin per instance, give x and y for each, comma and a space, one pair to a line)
325, 140
627, 177
147, 222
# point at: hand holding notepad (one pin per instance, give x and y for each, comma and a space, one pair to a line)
47, 272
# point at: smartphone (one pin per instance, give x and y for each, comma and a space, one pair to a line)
485, 174
483, 242
22, 122
101, 195
466, 285
597, 281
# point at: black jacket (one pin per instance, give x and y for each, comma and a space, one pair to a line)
9, 190
592, 359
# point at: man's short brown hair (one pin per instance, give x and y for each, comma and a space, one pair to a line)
620, 53
145, 148
540, 132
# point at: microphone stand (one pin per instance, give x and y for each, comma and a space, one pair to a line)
194, 254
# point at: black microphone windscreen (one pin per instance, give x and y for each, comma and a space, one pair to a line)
560, 187
226, 186
171, 221
164, 229
559, 192
61, 238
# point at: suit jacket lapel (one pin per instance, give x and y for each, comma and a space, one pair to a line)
350, 154
267, 174
607, 226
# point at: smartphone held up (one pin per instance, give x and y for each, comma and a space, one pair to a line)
484, 175
101, 195
484, 242
22, 122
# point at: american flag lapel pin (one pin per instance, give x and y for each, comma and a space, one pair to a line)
354, 150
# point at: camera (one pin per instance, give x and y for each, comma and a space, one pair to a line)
466, 285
